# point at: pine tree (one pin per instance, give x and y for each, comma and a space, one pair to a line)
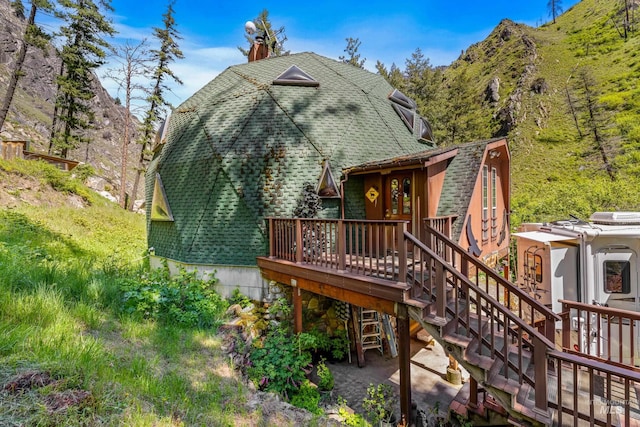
168, 52
424, 86
460, 122
33, 36
394, 75
83, 52
353, 57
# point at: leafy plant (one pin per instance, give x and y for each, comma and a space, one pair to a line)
325, 377
239, 298
339, 344
307, 397
379, 403
309, 203
182, 300
351, 419
278, 364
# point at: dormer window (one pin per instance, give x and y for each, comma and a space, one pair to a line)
294, 76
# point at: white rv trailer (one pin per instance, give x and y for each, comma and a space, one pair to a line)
594, 262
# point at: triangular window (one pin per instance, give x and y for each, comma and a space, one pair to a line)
327, 185
402, 99
160, 210
424, 129
294, 76
406, 115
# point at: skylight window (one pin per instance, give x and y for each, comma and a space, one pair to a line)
294, 76
424, 129
406, 115
402, 99
160, 210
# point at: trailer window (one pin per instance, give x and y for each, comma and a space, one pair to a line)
534, 267
617, 277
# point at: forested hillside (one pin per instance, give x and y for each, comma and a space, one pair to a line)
565, 94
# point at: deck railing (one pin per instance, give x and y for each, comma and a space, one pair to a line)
491, 282
363, 247
443, 224
599, 332
592, 391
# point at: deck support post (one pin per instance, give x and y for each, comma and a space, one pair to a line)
404, 353
299, 241
297, 310
272, 239
473, 393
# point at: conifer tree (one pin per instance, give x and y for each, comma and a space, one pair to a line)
353, 57
83, 52
162, 57
33, 36
460, 120
394, 75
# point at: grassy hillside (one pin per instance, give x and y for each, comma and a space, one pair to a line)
73, 348
560, 86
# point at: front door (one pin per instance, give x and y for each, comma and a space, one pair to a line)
398, 203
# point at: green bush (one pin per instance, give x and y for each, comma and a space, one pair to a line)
325, 377
182, 300
278, 364
379, 403
307, 397
239, 298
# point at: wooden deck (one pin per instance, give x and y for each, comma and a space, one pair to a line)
504, 336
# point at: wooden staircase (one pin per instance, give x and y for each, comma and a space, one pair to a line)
502, 336
505, 340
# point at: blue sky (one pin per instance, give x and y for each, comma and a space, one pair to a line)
390, 32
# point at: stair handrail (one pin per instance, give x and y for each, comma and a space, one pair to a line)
549, 316
521, 323
516, 326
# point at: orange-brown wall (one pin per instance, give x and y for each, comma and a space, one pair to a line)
492, 248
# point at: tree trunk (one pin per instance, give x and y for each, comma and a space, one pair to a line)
125, 148
54, 120
17, 70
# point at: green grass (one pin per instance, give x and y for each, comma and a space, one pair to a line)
61, 275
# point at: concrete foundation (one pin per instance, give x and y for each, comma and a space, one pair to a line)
245, 278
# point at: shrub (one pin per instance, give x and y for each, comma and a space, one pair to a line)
379, 403
325, 377
239, 298
182, 300
307, 397
278, 364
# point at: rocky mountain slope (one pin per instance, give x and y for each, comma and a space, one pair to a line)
31, 113
567, 96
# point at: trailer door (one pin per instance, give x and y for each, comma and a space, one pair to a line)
617, 287
617, 279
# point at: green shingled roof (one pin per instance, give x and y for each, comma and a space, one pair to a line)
241, 147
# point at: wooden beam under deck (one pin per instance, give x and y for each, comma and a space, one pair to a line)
368, 292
